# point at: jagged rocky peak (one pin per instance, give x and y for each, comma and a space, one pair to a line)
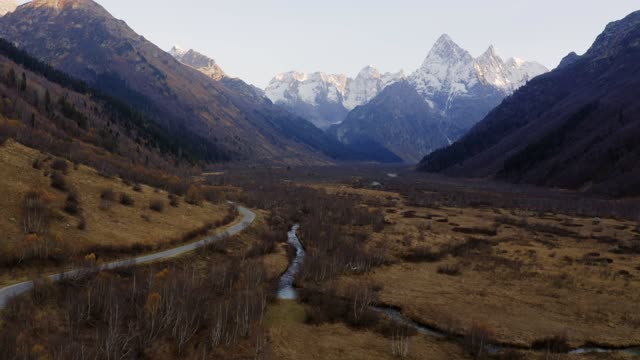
298, 85
450, 70
7, 6
492, 70
198, 61
367, 85
177, 51
446, 50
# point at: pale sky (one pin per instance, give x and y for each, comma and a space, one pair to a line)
256, 39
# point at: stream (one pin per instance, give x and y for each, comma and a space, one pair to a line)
397, 316
286, 291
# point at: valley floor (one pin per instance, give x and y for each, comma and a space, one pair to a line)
539, 272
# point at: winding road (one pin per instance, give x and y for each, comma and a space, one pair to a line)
247, 218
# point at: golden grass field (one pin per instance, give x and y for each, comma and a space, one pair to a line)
529, 285
118, 227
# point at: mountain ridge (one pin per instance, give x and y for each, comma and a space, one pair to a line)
92, 45
324, 98
572, 128
457, 91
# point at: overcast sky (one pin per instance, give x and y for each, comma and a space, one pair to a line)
256, 39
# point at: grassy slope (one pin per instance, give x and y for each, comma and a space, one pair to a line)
119, 227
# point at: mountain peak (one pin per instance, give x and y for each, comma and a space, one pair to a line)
198, 61
369, 71
444, 39
446, 50
490, 52
62, 4
177, 51
86, 6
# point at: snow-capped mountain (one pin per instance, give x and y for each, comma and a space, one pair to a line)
326, 99
450, 71
451, 81
456, 91
368, 84
198, 61
463, 88
7, 6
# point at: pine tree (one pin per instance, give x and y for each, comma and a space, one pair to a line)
47, 100
23, 84
33, 120
11, 78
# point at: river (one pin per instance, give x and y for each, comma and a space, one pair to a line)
286, 291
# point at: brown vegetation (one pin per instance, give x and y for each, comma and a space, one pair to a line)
156, 205
139, 311
35, 212
127, 200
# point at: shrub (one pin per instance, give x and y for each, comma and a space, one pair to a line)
451, 270
220, 246
423, 254
35, 212
265, 245
37, 164
60, 165
108, 194
194, 196
232, 214
82, 225
400, 341
137, 187
476, 231
555, 344
126, 200
72, 204
58, 181
477, 340
509, 355
156, 205
108, 197
174, 201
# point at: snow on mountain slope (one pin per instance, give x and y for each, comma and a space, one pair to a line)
440, 102
368, 84
325, 99
451, 71
520, 71
447, 68
452, 82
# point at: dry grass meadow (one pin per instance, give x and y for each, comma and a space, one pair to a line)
100, 223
